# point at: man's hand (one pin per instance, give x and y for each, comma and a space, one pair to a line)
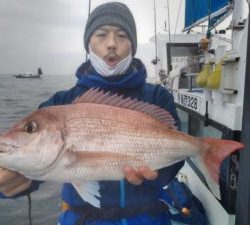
136, 177
12, 183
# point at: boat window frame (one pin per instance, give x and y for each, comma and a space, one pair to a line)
170, 45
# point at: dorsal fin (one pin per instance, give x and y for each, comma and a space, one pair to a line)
94, 95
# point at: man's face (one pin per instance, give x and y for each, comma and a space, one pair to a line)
111, 44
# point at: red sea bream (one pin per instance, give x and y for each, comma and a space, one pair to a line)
96, 137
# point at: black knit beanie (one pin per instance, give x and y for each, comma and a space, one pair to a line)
112, 13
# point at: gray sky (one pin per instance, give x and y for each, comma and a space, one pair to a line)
49, 33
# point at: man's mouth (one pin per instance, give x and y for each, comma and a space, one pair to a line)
111, 60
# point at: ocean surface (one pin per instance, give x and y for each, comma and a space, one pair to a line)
18, 97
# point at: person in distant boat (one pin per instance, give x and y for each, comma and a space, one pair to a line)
111, 41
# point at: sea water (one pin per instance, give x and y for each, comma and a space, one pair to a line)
18, 97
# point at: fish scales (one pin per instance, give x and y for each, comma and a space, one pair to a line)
119, 131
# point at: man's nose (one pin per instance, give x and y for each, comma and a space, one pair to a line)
112, 43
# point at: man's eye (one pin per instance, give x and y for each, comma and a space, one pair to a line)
122, 36
101, 35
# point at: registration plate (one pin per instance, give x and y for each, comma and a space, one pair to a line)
189, 101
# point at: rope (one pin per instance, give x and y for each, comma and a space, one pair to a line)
29, 208
177, 19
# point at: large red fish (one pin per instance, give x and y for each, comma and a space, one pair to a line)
96, 137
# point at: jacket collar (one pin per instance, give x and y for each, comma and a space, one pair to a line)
133, 78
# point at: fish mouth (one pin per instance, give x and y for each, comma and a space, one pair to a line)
6, 148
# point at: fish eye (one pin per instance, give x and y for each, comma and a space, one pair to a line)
30, 127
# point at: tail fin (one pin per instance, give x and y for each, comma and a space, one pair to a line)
216, 151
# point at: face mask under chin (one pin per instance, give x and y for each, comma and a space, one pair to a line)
104, 69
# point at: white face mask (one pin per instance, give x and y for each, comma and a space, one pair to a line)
104, 69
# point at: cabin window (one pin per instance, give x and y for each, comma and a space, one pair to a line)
184, 58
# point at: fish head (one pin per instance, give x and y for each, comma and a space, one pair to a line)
34, 143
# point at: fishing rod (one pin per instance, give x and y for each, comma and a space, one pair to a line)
155, 60
88, 17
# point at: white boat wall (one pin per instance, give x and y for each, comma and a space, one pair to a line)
207, 75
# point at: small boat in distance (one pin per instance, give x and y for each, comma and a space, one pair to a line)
30, 75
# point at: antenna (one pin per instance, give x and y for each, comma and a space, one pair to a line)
89, 7
169, 30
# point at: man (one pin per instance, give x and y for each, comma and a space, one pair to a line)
111, 41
